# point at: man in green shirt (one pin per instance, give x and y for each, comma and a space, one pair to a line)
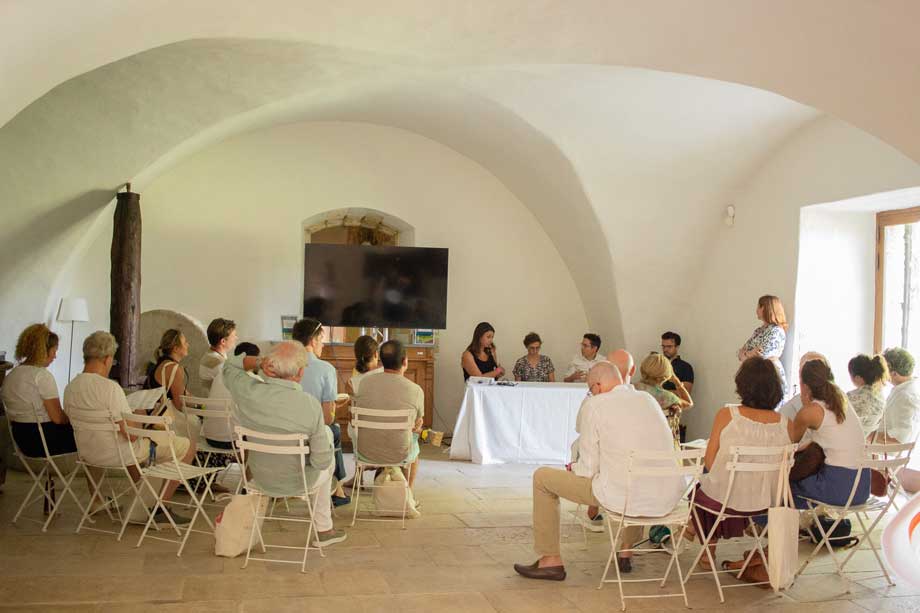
275, 403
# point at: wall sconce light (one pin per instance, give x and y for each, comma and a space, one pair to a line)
729, 217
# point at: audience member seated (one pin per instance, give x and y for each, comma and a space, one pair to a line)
655, 370
670, 347
391, 390
791, 407
31, 399
93, 397
275, 403
614, 424
533, 366
625, 364
167, 372
901, 420
583, 361
218, 432
320, 381
367, 362
480, 358
869, 375
222, 338
752, 423
769, 340
835, 428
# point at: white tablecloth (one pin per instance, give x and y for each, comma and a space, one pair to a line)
530, 423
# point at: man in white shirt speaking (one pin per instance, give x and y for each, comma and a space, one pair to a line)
614, 424
585, 359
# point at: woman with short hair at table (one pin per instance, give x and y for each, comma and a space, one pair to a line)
534, 366
480, 358
654, 371
768, 340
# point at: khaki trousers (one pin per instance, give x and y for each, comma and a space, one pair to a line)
551, 484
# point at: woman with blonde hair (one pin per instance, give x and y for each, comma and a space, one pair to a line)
31, 398
769, 339
654, 371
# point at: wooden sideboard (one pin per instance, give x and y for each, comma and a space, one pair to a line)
420, 371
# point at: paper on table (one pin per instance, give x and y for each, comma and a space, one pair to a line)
144, 399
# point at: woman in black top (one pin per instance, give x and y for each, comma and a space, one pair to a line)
480, 358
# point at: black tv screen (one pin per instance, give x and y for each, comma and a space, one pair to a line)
388, 287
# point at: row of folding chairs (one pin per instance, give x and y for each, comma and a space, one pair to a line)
687, 464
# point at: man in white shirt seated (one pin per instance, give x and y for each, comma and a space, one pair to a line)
792, 406
615, 423
222, 338
901, 420
582, 362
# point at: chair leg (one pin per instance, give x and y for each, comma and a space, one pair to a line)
95, 490
67, 490
359, 475
36, 483
868, 537
253, 529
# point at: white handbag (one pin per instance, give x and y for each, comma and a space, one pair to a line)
783, 535
390, 495
233, 527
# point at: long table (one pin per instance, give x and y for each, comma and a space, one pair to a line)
530, 423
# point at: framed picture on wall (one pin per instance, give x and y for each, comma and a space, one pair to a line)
287, 327
424, 337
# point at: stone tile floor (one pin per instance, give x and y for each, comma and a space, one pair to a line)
456, 558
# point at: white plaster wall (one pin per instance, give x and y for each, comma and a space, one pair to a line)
835, 293
825, 162
223, 237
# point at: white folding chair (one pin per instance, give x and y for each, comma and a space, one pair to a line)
642, 466
172, 470
882, 457
250, 441
43, 480
405, 423
744, 461
217, 409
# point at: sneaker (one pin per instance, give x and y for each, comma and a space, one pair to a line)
340, 501
329, 538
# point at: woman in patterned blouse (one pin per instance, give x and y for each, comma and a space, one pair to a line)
868, 375
654, 371
533, 366
769, 340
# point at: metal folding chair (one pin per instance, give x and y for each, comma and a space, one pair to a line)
744, 460
361, 463
216, 409
642, 466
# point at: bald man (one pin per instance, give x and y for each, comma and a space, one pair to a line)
613, 424
791, 408
624, 362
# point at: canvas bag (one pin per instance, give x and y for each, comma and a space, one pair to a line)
233, 526
783, 534
389, 495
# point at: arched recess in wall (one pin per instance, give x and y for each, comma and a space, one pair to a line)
356, 226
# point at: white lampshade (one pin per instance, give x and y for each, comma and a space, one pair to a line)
73, 309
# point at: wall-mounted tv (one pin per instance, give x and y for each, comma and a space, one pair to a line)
386, 287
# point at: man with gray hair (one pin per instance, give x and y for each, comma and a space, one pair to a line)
275, 403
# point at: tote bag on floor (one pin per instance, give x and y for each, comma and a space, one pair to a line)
783, 535
233, 527
390, 495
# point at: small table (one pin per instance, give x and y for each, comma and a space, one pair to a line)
529, 423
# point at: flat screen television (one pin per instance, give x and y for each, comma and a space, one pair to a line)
386, 287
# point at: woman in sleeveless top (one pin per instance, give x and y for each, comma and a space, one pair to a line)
480, 358
833, 425
167, 372
752, 423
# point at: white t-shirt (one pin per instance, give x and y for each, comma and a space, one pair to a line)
357, 377
95, 399
23, 391
580, 362
209, 367
844, 444
218, 428
901, 419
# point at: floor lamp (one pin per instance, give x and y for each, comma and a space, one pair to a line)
72, 310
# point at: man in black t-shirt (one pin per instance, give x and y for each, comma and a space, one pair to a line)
670, 346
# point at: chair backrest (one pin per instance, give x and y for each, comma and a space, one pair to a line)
360, 421
109, 425
286, 444
644, 465
778, 459
161, 432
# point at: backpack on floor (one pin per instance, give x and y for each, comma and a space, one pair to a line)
840, 537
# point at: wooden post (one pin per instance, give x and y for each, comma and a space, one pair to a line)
125, 309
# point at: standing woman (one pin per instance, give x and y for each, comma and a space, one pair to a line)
480, 358
533, 366
769, 340
31, 398
868, 375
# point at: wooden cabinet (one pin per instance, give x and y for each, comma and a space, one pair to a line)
421, 371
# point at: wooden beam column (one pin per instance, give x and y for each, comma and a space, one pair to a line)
125, 309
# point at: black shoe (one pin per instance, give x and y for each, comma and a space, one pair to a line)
624, 564
339, 501
180, 520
